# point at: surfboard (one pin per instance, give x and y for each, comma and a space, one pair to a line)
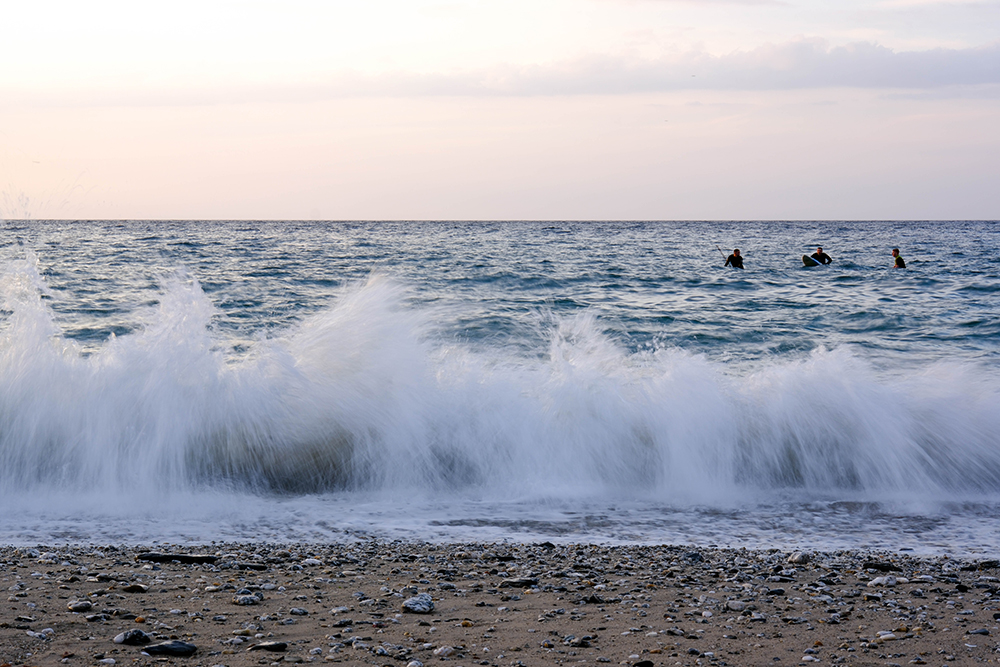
809, 261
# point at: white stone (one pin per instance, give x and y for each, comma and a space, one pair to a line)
419, 604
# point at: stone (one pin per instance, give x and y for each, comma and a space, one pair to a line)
443, 651
135, 588
881, 567
43, 634
887, 581
735, 605
274, 647
187, 559
259, 567
245, 600
79, 606
175, 648
519, 582
419, 604
132, 638
800, 557
298, 611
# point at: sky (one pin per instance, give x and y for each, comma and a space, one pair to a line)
474, 109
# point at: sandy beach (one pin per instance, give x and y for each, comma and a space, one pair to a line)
493, 604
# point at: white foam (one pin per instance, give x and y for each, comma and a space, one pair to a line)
362, 398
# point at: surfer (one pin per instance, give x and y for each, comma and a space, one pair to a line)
735, 260
821, 256
900, 264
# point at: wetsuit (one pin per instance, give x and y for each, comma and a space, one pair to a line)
735, 261
821, 257
900, 264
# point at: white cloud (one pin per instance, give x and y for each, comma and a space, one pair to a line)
800, 64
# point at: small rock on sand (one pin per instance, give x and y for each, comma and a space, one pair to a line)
419, 604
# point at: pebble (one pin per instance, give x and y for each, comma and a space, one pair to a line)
43, 634
274, 647
132, 638
245, 600
173, 648
419, 604
79, 606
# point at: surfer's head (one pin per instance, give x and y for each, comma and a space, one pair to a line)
819, 250
736, 251
895, 252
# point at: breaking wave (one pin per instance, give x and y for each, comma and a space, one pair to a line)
362, 396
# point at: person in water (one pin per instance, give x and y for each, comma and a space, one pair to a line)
900, 264
821, 256
735, 260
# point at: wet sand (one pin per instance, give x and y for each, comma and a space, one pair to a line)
495, 604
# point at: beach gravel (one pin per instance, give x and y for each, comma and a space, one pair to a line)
493, 604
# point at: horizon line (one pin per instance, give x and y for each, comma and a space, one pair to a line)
495, 220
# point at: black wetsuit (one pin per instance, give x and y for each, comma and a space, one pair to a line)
821, 257
735, 261
900, 264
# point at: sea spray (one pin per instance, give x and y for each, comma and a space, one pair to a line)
194, 381
359, 397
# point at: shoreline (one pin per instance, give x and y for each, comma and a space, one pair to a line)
495, 604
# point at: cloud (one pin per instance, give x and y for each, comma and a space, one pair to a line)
792, 65
800, 64
712, 2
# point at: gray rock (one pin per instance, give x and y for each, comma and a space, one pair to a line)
519, 582
79, 606
245, 600
132, 638
298, 611
419, 604
172, 648
274, 647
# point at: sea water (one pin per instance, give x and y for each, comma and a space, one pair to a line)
569, 381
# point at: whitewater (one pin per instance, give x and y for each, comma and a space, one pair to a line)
600, 382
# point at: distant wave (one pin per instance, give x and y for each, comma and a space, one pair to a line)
359, 398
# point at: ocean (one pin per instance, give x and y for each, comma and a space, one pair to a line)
599, 382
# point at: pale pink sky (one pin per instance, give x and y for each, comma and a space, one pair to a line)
584, 109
